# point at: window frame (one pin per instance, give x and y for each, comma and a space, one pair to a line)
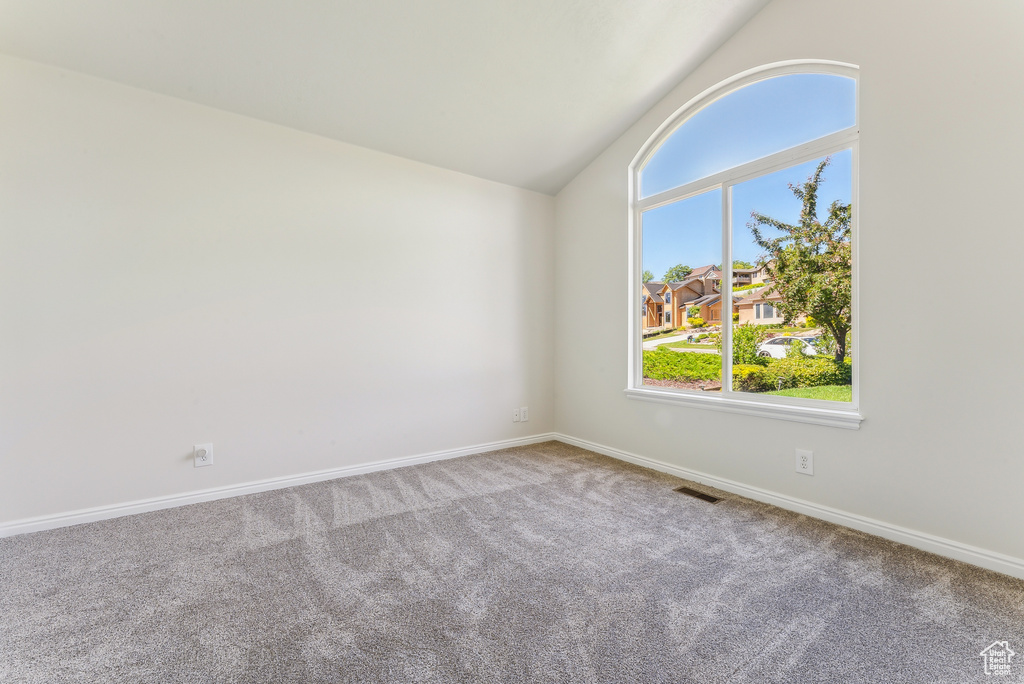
818, 412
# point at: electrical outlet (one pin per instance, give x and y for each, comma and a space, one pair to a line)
524, 413
203, 455
515, 416
805, 461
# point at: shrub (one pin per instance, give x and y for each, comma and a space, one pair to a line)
664, 364
696, 322
748, 378
745, 339
693, 312
793, 372
735, 317
795, 349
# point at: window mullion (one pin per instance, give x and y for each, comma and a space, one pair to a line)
726, 317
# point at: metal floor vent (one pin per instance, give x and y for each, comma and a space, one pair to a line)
697, 495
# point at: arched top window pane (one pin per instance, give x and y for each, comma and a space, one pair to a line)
757, 120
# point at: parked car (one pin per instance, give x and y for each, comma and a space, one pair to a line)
777, 346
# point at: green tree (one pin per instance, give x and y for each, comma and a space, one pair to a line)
647, 276
677, 272
741, 264
811, 262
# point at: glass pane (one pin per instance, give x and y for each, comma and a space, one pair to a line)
750, 123
680, 297
792, 262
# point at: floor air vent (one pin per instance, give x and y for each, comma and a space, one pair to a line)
697, 495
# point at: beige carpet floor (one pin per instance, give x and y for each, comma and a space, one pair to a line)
545, 563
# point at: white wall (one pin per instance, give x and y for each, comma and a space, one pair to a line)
941, 158
171, 274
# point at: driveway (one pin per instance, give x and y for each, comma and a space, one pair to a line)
653, 344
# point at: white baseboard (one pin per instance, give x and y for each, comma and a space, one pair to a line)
990, 560
48, 522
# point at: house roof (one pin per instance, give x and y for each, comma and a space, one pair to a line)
687, 284
706, 300
756, 298
653, 291
433, 81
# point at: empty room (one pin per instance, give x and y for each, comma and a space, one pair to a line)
471, 341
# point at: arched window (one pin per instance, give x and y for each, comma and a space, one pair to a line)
745, 200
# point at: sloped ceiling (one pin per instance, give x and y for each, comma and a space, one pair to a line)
524, 92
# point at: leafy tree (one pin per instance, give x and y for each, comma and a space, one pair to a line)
741, 264
693, 311
825, 345
811, 262
677, 272
647, 276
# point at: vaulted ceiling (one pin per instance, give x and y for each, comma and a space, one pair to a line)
524, 92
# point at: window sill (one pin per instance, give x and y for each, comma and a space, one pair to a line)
849, 419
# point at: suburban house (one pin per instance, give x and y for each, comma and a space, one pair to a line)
664, 305
653, 305
683, 295
755, 309
711, 308
709, 276
749, 276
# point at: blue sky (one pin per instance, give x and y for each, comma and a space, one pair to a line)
757, 120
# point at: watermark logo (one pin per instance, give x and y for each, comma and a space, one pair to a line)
997, 658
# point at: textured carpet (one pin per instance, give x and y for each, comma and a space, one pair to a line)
537, 564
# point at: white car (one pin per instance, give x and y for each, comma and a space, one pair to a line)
777, 346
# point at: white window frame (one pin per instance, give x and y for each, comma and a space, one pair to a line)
813, 411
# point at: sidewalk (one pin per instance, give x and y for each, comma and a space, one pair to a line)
651, 345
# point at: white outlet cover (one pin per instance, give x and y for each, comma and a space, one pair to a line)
202, 455
515, 416
524, 413
805, 461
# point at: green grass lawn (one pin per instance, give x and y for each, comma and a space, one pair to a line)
667, 333
827, 392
